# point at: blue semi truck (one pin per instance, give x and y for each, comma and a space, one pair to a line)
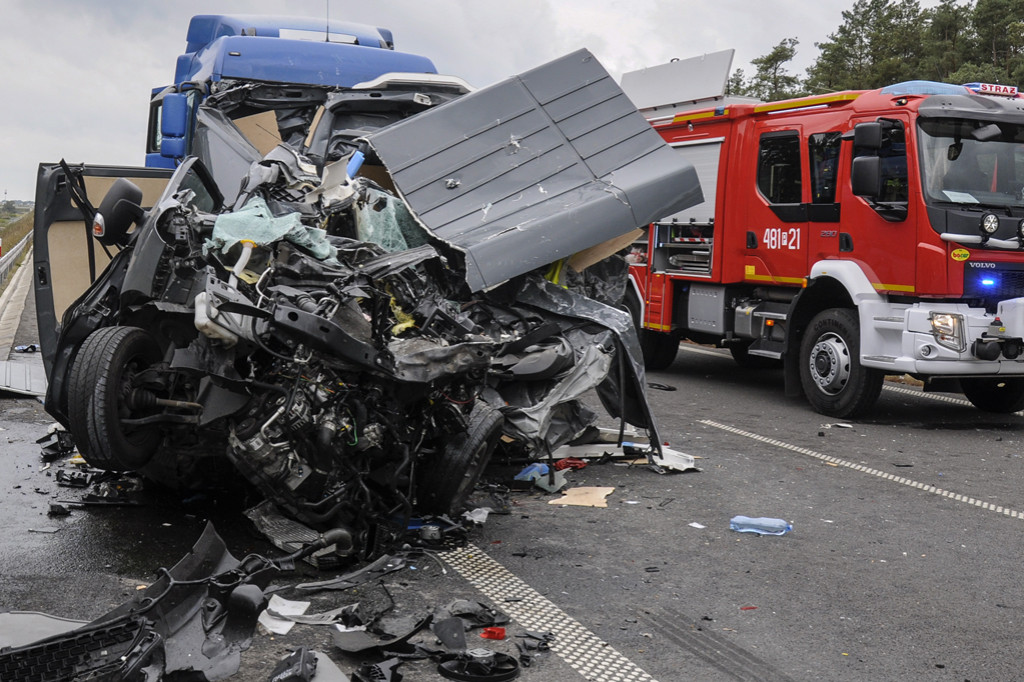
280, 61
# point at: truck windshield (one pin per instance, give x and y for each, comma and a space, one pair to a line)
971, 162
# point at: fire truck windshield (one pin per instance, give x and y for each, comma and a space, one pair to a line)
972, 163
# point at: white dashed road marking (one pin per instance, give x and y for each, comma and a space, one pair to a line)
592, 657
868, 470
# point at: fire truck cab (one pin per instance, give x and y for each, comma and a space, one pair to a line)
847, 236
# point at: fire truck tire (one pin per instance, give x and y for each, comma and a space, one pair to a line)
659, 350
748, 361
834, 381
1002, 396
445, 485
103, 373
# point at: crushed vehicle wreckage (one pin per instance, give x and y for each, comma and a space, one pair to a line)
356, 329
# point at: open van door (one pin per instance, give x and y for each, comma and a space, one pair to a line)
67, 258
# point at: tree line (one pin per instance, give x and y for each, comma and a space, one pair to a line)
881, 42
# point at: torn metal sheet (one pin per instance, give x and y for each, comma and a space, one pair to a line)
276, 617
539, 167
23, 378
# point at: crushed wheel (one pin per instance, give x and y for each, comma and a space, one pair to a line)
444, 484
103, 374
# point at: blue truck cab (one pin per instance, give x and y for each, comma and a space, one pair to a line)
301, 51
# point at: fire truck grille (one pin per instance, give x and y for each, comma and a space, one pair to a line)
993, 281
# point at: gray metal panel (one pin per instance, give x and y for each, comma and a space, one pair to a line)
535, 168
706, 306
705, 158
25, 378
684, 80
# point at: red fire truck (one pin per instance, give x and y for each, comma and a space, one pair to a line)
847, 237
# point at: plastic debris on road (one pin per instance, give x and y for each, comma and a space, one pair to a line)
761, 525
283, 607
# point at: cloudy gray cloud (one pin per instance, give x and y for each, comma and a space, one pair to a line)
79, 72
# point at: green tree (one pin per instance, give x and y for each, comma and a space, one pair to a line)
977, 73
947, 40
772, 81
8, 208
896, 39
737, 83
999, 29
877, 44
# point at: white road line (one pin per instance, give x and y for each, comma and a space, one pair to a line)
1005, 511
590, 656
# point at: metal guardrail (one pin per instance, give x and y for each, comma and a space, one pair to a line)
11, 257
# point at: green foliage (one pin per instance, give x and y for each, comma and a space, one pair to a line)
772, 81
737, 84
881, 42
12, 232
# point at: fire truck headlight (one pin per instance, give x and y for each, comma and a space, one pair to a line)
989, 224
948, 330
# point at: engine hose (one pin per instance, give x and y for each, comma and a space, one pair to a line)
327, 500
270, 387
313, 517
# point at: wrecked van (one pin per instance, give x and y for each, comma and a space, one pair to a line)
353, 320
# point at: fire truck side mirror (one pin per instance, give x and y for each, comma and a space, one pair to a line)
868, 135
866, 176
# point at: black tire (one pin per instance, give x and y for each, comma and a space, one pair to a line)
659, 349
446, 483
1001, 396
79, 395
834, 381
745, 360
103, 371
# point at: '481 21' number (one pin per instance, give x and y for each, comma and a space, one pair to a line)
781, 238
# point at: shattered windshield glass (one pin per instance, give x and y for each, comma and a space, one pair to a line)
972, 163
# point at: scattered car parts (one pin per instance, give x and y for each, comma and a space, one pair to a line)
195, 619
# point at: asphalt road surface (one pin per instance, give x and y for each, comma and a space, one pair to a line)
903, 561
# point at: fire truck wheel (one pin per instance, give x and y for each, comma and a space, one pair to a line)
659, 350
1002, 396
834, 381
104, 374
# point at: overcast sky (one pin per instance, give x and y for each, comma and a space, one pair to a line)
79, 72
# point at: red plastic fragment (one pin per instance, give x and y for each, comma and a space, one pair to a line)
747, 608
493, 633
569, 463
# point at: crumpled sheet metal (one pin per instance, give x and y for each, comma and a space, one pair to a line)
545, 418
622, 392
535, 168
424, 360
